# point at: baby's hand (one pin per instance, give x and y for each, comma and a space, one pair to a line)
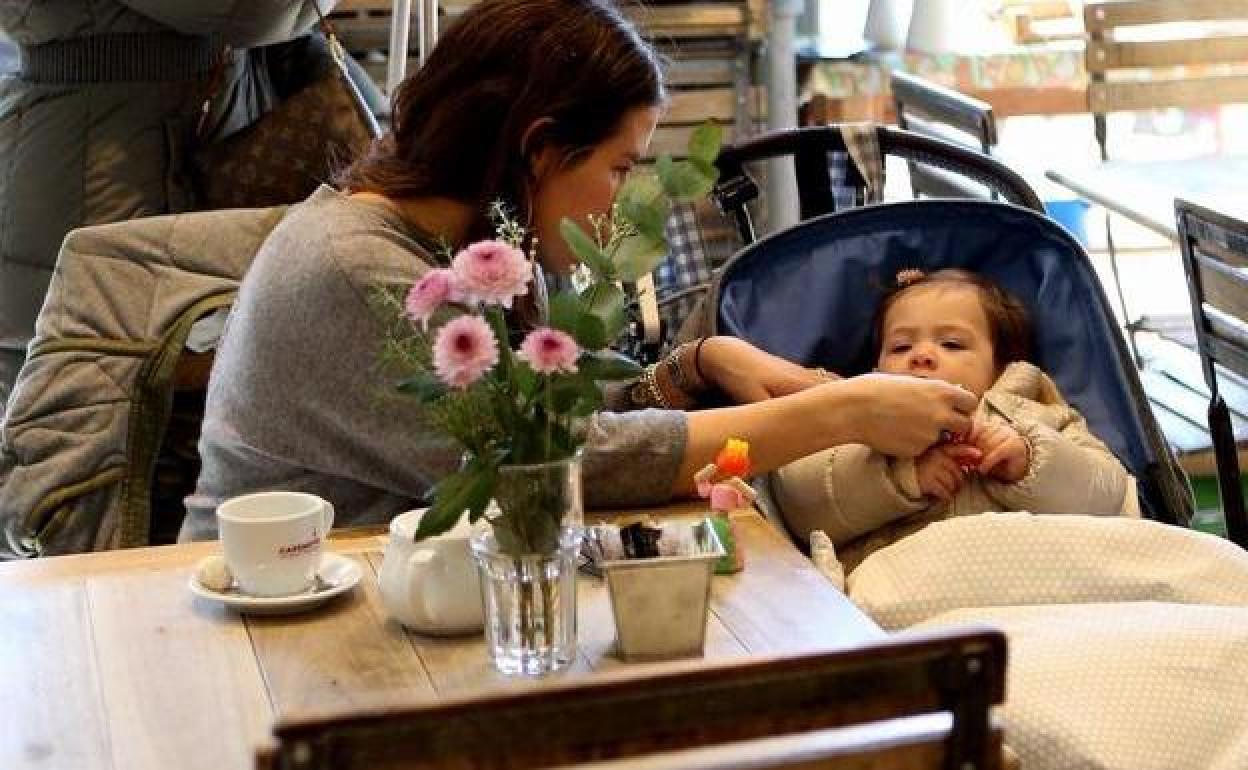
942, 468
1006, 456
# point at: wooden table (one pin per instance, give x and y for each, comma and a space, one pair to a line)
108, 661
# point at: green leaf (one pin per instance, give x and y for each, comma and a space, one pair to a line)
425, 386
525, 379
705, 142
640, 189
607, 302
584, 247
468, 489
638, 256
682, 181
566, 309
608, 365
590, 332
649, 218
706, 169
565, 390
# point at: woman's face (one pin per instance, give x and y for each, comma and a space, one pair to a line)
586, 185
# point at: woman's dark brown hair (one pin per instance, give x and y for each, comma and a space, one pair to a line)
1007, 317
459, 122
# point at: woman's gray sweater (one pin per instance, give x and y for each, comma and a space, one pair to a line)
298, 401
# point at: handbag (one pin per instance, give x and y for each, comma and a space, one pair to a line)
293, 148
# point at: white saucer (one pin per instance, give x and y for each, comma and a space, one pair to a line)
338, 574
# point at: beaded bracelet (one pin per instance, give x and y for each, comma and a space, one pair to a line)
652, 385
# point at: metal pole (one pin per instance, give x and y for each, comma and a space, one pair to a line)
782, 202
400, 21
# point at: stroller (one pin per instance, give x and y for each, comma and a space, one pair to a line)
806, 293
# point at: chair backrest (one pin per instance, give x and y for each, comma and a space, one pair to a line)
100, 397
960, 674
1140, 53
933, 110
809, 294
1215, 256
809, 147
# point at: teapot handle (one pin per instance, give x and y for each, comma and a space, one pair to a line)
415, 568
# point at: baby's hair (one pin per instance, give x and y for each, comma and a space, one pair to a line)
1007, 317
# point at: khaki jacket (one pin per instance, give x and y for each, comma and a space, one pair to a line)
865, 500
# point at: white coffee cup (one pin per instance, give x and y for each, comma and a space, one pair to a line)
273, 540
431, 586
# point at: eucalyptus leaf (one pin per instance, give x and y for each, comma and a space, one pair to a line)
649, 218
607, 302
608, 365
468, 489
586, 249
566, 309
640, 189
639, 256
705, 142
682, 181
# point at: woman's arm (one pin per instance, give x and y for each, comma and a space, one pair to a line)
898, 416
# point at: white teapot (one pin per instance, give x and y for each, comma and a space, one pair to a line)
432, 586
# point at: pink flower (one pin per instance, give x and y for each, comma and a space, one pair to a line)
464, 350
429, 293
492, 272
549, 350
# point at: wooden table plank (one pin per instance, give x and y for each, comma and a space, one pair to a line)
180, 684
337, 657
50, 681
780, 604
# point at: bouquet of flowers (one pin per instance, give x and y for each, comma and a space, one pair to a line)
512, 393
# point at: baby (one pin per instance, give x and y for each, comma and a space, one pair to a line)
1027, 449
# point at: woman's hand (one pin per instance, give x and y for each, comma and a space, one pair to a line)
747, 374
1006, 455
903, 416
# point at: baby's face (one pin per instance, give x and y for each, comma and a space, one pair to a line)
939, 332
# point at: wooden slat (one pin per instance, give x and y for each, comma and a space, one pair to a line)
699, 105
1224, 287
751, 606
1102, 55
674, 140
342, 656
50, 681
1101, 16
1150, 94
181, 685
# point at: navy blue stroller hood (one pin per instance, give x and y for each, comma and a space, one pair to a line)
809, 294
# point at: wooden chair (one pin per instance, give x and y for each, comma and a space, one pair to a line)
1137, 52
1139, 55
933, 110
916, 701
1215, 254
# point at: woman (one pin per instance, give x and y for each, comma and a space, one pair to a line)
544, 104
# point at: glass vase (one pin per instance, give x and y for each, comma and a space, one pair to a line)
527, 559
